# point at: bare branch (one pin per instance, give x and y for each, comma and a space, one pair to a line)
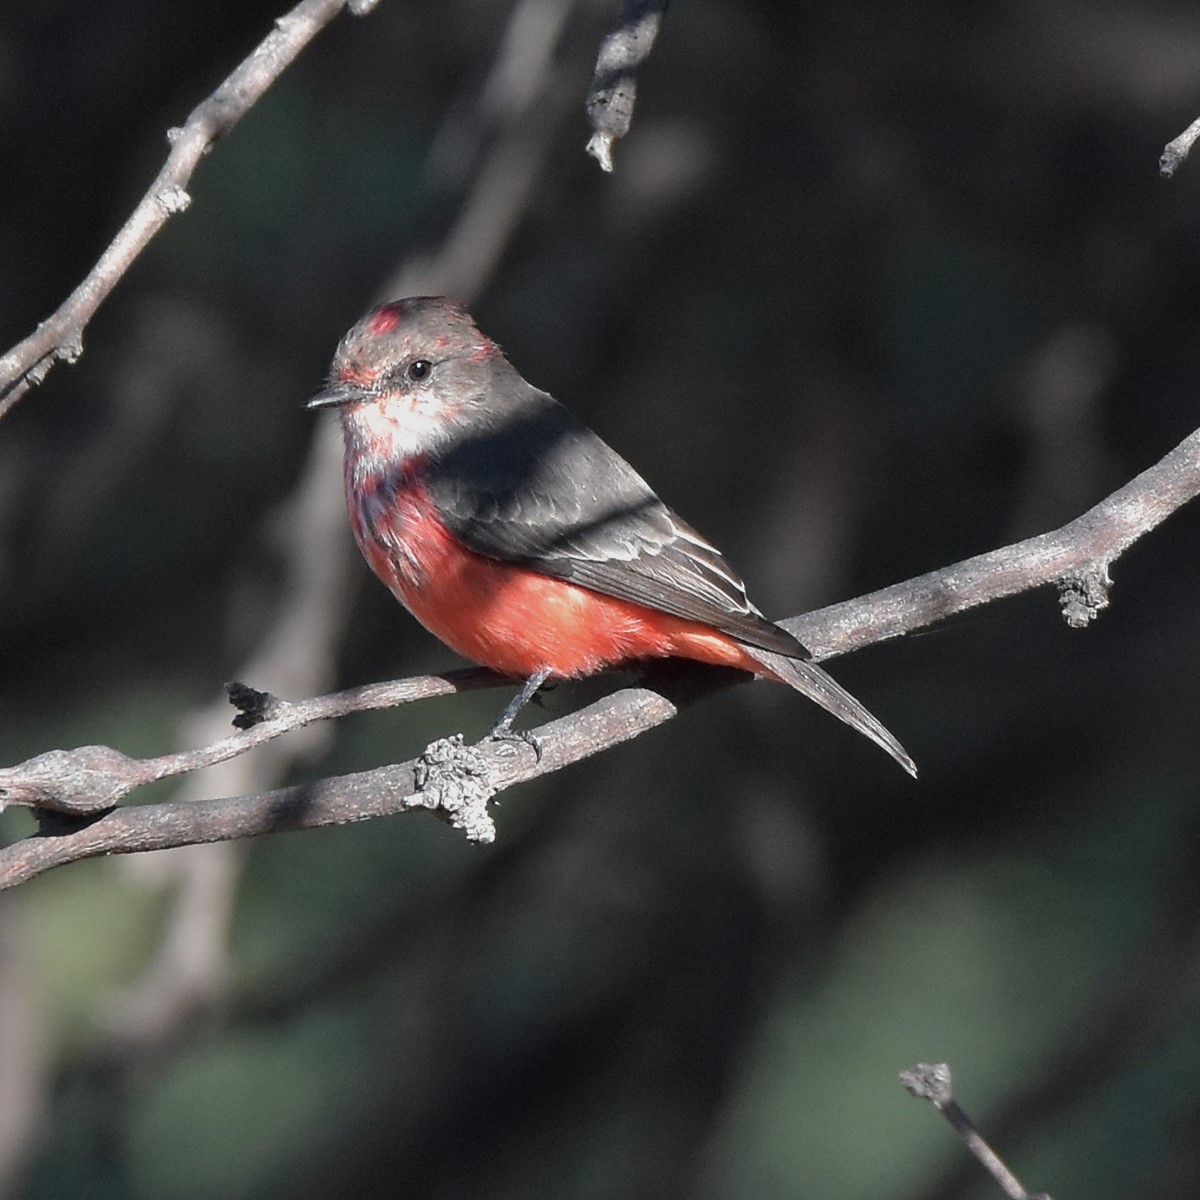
1177, 149
346, 798
92, 779
60, 336
1076, 557
613, 92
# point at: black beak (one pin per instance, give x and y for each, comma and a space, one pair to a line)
336, 392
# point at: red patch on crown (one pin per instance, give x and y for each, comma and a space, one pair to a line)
485, 350
385, 320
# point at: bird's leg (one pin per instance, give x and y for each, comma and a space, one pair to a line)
458, 778
503, 727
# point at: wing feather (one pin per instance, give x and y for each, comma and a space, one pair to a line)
542, 489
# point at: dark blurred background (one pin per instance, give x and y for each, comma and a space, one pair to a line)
874, 287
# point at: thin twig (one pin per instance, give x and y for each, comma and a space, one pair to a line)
1076, 557
932, 1082
92, 779
613, 92
1146, 997
1177, 149
60, 336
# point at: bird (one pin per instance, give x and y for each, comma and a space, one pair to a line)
515, 534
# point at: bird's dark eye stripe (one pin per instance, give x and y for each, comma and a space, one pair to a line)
419, 369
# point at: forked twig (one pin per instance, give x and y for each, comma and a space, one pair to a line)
60, 336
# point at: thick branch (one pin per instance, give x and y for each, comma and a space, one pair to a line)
60, 336
340, 800
1076, 557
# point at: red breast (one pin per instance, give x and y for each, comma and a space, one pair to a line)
506, 616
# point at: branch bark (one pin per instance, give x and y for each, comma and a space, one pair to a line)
93, 779
613, 92
459, 782
1177, 149
402, 787
1076, 557
60, 336
932, 1082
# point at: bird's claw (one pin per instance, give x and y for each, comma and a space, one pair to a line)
517, 735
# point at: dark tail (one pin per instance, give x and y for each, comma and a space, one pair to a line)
808, 678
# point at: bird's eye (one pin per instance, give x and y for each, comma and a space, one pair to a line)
419, 369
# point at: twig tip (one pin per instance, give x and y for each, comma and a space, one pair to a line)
600, 148
929, 1081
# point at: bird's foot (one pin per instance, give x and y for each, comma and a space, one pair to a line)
504, 733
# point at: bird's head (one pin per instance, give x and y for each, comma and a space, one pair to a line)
408, 375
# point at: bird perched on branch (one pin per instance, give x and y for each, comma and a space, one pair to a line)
519, 537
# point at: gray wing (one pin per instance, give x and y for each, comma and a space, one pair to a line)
540, 488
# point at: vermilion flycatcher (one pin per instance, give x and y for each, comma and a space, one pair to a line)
516, 535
